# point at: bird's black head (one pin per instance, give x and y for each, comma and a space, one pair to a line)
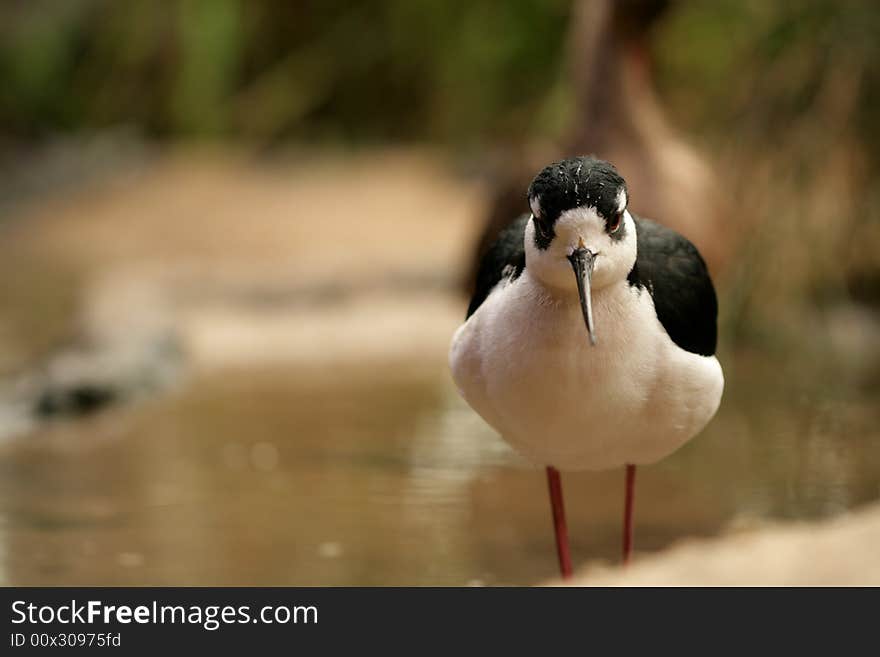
579, 222
573, 183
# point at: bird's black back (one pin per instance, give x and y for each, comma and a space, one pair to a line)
671, 269
505, 258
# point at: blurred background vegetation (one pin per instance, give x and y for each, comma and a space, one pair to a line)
444, 70
274, 70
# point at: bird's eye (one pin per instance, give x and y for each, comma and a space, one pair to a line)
614, 224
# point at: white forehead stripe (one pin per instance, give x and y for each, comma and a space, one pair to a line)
621, 201
535, 204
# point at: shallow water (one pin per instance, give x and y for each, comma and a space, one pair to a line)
379, 475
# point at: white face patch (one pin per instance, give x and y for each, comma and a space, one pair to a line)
581, 227
621, 201
535, 204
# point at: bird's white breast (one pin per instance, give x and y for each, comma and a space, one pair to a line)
524, 363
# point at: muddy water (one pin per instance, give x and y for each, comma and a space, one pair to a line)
380, 475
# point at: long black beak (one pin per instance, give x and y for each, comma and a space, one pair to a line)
582, 261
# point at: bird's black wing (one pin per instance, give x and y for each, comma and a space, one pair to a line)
673, 272
506, 258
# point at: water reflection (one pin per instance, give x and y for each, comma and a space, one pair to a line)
379, 474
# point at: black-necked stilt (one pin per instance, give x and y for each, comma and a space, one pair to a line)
641, 382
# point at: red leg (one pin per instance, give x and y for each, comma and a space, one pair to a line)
559, 527
628, 513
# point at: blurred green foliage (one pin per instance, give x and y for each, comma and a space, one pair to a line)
762, 66
446, 70
438, 69
273, 69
